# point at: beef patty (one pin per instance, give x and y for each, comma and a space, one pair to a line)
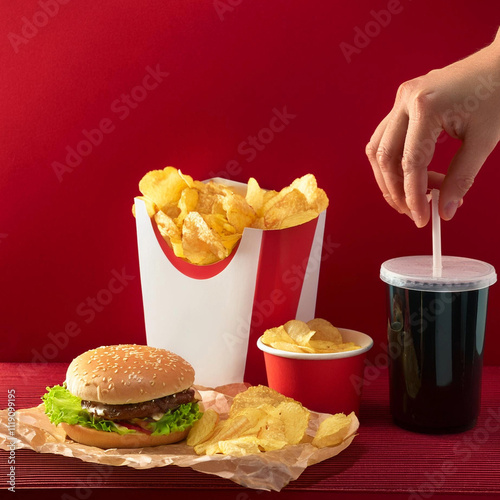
139, 410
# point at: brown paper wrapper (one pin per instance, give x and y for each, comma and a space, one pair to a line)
271, 470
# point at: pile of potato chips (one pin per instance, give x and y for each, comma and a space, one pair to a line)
316, 336
261, 419
203, 222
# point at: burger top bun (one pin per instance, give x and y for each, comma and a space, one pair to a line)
127, 373
93, 437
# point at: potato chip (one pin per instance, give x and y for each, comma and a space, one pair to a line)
177, 248
203, 428
225, 429
316, 197
272, 197
225, 210
286, 346
210, 197
187, 203
296, 419
240, 446
151, 206
333, 430
349, 346
261, 420
272, 436
219, 223
324, 346
167, 227
259, 223
292, 203
278, 334
256, 396
230, 241
295, 204
255, 196
298, 219
257, 417
307, 185
316, 336
320, 202
163, 187
238, 212
234, 426
325, 331
187, 179
208, 448
299, 331
200, 244
268, 196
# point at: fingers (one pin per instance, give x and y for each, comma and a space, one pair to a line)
460, 176
388, 157
435, 180
371, 153
400, 151
420, 143
384, 152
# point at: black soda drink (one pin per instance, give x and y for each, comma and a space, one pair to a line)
436, 329
436, 342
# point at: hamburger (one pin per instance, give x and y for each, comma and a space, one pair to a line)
125, 396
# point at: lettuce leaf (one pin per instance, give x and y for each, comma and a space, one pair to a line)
178, 420
62, 406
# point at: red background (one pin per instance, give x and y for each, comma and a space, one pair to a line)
229, 64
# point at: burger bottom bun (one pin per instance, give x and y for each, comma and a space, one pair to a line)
103, 439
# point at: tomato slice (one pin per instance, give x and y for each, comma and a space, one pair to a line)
134, 427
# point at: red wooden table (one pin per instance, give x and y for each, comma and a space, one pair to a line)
383, 461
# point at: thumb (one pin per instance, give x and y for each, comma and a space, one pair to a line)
460, 176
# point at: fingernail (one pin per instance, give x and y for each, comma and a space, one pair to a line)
417, 219
449, 209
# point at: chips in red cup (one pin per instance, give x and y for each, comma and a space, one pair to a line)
329, 382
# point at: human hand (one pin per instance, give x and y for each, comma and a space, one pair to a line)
462, 99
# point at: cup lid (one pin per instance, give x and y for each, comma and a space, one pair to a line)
458, 274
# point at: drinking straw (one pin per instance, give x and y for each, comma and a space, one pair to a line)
437, 265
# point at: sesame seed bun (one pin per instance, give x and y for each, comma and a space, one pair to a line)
93, 437
127, 373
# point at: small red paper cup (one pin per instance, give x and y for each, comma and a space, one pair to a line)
323, 382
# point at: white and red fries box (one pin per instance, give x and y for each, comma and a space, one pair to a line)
213, 315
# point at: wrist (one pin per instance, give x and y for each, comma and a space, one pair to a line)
495, 45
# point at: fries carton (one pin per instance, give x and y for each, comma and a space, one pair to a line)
213, 315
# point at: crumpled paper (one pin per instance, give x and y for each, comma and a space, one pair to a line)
271, 470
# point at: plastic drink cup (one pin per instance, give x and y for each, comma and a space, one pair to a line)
436, 328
